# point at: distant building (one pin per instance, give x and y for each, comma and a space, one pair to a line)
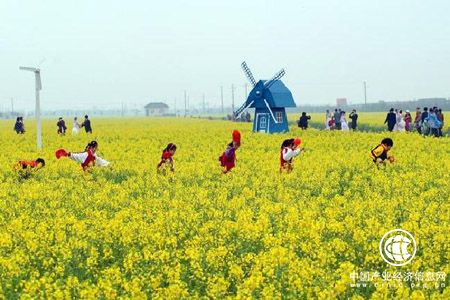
156, 109
341, 101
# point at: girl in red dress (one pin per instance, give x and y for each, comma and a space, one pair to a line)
228, 157
167, 157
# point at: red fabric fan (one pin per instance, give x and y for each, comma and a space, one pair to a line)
60, 153
297, 142
237, 137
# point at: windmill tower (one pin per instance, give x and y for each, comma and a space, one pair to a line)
269, 98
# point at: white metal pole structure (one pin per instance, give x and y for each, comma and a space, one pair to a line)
38, 86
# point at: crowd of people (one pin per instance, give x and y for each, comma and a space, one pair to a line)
336, 120
19, 126
429, 121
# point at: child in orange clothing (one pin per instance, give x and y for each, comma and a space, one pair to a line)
25, 167
167, 157
30, 164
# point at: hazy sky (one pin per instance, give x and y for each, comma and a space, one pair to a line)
106, 52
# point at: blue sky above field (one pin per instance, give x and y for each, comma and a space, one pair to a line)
104, 53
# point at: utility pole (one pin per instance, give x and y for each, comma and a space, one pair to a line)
185, 103
38, 87
232, 100
122, 110
221, 97
365, 93
12, 106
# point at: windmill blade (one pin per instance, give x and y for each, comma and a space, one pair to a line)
248, 73
243, 108
276, 77
37, 74
28, 69
271, 112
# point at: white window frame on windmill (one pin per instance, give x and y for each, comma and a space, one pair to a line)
279, 116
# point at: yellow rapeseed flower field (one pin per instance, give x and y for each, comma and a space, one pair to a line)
129, 232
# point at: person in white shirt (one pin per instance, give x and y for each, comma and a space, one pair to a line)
289, 149
344, 124
87, 159
76, 126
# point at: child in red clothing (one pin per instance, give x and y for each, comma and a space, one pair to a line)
289, 149
167, 157
228, 157
87, 159
26, 167
30, 164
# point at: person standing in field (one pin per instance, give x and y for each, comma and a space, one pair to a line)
344, 124
418, 120
425, 128
303, 121
289, 149
328, 118
390, 119
408, 120
76, 126
61, 126
19, 127
87, 159
440, 117
354, 117
167, 157
337, 119
400, 122
87, 124
228, 157
434, 122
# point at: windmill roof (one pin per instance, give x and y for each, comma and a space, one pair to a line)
153, 105
281, 96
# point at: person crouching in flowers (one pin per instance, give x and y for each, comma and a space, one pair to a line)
87, 159
167, 157
379, 154
289, 149
228, 157
26, 167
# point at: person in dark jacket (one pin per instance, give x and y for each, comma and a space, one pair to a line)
391, 119
337, 118
19, 127
354, 117
87, 124
425, 128
303, 121
61, 126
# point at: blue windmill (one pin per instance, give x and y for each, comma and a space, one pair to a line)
269, 98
